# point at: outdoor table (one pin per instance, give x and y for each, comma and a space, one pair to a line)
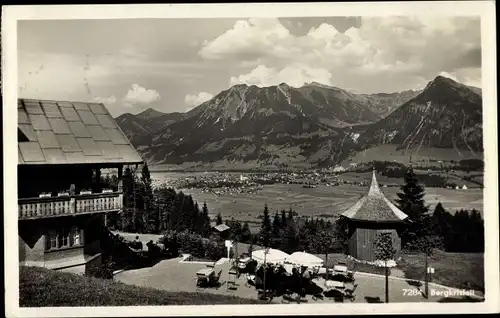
207, 272
340, 269
243, 262
334, 284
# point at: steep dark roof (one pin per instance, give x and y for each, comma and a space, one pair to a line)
374, 207
70, 133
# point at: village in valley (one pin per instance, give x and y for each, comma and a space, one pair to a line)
122, 209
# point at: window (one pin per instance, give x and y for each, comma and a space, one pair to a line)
63, 238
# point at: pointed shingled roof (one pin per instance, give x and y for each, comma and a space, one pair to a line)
375, 207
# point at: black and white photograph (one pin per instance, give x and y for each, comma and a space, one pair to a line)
286, 157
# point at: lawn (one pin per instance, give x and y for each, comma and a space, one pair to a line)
459, 270
39, 287
335, 258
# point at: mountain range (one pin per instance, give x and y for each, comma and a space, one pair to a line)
313, 125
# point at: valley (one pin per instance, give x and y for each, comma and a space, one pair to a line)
324, 201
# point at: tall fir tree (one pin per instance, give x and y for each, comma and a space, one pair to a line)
126, 217
290, 235
218, 219
283, 219
246, 235
206, 220
150, 217
266, 228
411, 201
276, 226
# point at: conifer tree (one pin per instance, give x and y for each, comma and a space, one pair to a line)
206, 220
246, 235
150, 213
283, 219
411, 201
218, 220
266, 228
276, 226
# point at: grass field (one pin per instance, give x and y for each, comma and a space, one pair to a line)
322, 201
39, 287
418, 155
459, 270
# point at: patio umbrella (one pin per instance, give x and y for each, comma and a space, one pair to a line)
273, 256
305, 259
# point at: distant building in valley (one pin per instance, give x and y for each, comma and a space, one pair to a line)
62, 205
371, 215
339, 169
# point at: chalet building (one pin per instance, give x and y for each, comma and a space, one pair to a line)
220, 231
62, 206
371, 215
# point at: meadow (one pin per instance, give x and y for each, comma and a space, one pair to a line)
322, 201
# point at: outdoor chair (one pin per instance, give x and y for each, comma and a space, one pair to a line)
350, 274
214, 281
249, 280
349, 293
336, 294
315, 272
202, 282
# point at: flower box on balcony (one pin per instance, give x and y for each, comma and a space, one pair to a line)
63, 194
86, 192
107, 190
45, 195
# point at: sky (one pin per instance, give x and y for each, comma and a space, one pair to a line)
173, 65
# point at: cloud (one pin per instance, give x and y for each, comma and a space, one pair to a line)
106, 100
467, 76
401, 48
448, 75
294, 75
240, 40
140, 95
193, 100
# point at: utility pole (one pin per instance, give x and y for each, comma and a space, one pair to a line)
426, 278
266, 250
386, 283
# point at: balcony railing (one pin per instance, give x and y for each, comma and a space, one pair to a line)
35, 208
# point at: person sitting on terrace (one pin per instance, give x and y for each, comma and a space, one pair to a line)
136, 244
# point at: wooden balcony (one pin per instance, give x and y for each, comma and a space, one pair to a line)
48, 207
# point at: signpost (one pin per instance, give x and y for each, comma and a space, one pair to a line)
430, 271
265, 254
228, 244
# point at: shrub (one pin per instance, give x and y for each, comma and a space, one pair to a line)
195, 244
104, 270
